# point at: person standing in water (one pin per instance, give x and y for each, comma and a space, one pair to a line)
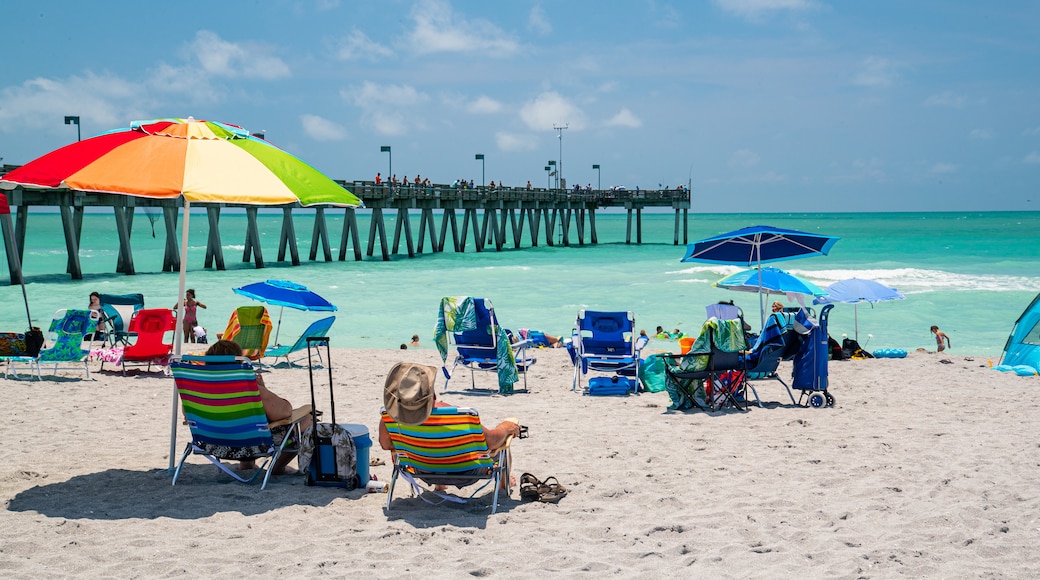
191, 306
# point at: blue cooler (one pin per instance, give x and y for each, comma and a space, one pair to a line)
363, 444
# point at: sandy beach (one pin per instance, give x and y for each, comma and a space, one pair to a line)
924, 468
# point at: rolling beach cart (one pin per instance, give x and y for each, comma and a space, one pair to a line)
333, 463
810, 364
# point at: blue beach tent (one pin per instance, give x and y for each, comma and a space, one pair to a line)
1023, 346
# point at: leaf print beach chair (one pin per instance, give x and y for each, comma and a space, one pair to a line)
68, 329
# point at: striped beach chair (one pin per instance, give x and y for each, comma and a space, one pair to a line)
250, 327
449, 448
221, 402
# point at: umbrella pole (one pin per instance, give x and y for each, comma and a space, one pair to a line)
761, 303
279, 327
855, 315
179, 331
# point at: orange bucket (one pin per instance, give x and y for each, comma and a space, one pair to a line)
685, 344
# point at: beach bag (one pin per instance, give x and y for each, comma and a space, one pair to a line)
615, 385
651, 374
21, 343
837, 353
330, 459
853, 350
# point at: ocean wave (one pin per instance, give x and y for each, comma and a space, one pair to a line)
906, 280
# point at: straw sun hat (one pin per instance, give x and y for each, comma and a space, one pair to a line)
408, 394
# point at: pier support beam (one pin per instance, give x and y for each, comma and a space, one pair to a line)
124, 224
252, 244
320, 235
214, 250
171, 257
449, 219
288, 238
350, 231
14, 263
405, 224
427, 224
378, 228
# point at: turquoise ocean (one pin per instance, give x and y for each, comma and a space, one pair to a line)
971, 274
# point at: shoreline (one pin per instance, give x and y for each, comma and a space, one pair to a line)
921, 469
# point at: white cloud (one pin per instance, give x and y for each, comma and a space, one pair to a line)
981, 134
516, 141
550, 108
875, 72
437, 29
1033, 158
322, 129
757, 9
103, 102
946, 99
744, 158
357, 45
484, 105
940, 168
538, 22
252, 60
386, 108
625, 118
372, 95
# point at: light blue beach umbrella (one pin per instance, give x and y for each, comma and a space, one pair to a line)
284, 293
769, 280
856, 290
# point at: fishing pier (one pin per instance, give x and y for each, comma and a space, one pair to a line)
498, 218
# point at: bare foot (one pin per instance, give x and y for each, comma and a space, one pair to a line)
246, 465
285, 471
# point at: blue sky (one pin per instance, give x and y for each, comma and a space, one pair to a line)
764, 105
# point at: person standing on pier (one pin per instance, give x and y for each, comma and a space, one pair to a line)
379, 179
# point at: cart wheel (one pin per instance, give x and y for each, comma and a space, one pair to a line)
830, 399
817, 401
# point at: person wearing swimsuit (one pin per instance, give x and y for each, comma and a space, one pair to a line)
191, 320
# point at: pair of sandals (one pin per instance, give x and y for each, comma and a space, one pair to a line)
548, 491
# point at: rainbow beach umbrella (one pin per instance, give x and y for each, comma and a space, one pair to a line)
199, 161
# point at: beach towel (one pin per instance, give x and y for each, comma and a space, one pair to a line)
457, 314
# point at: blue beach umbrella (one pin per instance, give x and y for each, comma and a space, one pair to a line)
757, 245
856, 290
769, 280
284, 293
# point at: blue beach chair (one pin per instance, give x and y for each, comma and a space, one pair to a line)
481, 344
605, 342
318, 328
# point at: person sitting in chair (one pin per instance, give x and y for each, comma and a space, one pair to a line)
276, 408
409, 396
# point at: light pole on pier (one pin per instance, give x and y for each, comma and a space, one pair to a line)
556, 172
480, 157
548, 177
559, 168
74, 120
390, 163
599, 185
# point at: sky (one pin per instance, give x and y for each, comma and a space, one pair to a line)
760, 105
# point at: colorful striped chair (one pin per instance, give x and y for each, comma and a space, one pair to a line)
250, 327
221, 402
449, 448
